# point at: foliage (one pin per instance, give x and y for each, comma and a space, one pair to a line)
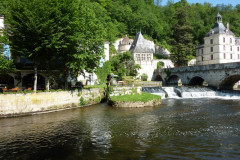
108, 92
158, 56
144, 97
103, 72
112, 50
160, 65
182, 39
144, 77
6, 65
124, 65
82, 101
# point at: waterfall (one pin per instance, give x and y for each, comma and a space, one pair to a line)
155, 90
170, 92
191, 92
195, 92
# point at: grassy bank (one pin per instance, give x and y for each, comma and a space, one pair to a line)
144, 97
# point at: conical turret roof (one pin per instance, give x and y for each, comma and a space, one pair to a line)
140, 45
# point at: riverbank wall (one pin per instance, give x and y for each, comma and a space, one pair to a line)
20, 104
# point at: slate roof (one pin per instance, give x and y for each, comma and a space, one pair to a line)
219, 28
126, 41
141, 45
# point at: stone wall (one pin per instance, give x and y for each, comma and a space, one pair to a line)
118, 91
151, 103
11, 104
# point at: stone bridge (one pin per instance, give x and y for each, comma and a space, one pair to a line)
220, 76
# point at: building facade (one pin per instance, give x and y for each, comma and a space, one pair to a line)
220, 45
143, 51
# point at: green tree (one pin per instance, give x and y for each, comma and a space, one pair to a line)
123, 65
56, 34
103, 72
182, 39
6, 66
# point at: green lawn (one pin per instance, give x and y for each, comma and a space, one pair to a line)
95, 86
144, 97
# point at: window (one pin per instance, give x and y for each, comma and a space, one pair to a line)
223, 39
224, 47
149, 57
231, 48
211, 57
202, 51
211, 49
237, 48
231, 56
230, 40
202, 58
224, 55
238, 56
138, 57
143, 57
211, 41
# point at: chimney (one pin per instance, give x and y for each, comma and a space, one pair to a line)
227, 26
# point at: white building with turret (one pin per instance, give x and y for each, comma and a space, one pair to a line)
220, 45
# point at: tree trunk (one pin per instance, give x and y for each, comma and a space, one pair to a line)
66, 82
35, 78
66, 79
47, 83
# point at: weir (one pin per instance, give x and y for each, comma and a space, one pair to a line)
191, 92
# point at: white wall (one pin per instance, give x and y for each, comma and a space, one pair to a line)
219, 49
1, 22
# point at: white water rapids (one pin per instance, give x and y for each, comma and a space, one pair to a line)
191, 92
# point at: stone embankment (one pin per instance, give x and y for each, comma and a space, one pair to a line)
137, 104
22, 104
132, 97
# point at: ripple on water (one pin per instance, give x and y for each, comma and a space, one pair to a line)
189, 129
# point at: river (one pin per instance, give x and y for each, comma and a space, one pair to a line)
178, 129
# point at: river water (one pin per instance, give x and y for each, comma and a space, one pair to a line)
178, 129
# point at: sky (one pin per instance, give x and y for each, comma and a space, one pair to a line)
214, 2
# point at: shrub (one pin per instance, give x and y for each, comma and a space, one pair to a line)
144, 77
82, 101
160, 65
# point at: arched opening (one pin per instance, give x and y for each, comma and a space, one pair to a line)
174, 80
28, 81
6, 81
197, 81
158, 78
229, 82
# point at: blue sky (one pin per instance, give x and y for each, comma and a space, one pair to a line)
214, 2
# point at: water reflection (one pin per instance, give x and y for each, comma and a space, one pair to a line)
178, 129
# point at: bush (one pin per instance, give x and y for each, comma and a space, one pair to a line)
160, 65
144, 77
82, 101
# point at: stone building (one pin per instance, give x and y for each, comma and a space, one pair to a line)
142, 51
124, 44
220, 45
